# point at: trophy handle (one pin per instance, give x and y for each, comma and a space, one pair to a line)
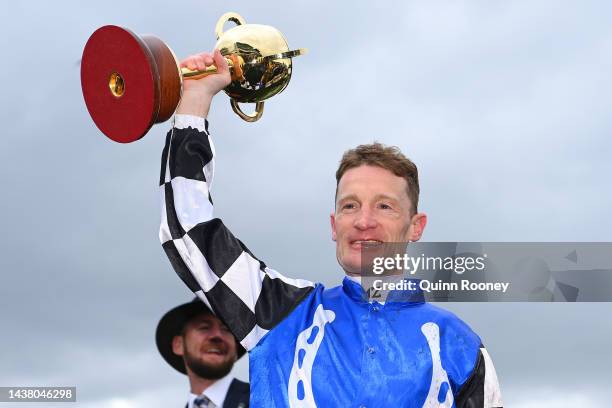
249, 117
231, 16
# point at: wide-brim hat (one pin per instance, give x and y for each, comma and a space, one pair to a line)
171, 325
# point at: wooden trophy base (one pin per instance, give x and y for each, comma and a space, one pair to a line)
129, 82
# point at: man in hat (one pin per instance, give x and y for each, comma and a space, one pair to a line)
309, 345
196, 343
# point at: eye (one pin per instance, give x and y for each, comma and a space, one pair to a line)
348, 206
385, 206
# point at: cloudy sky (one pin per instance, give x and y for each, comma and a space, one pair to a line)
503, 105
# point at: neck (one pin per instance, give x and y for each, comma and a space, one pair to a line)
199, 384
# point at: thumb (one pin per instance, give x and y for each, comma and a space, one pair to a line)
220, 62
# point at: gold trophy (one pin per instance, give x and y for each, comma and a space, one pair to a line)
131, 82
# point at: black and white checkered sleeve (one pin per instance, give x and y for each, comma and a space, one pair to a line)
242, 291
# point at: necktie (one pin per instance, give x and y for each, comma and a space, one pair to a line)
203, 402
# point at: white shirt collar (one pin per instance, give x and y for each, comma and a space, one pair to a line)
216, 392
356, 279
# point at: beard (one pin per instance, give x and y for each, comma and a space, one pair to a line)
206, 370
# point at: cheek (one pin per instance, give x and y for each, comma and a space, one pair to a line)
342, 225
405, 232
229, 339
398, 231
233, 345
196, 340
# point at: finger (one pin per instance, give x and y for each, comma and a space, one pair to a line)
205, 55
188, 62
220, 61
208, 59
192, 64
200, 62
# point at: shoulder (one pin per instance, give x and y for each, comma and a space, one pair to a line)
238, 394
460, 347
449, 323
239, 385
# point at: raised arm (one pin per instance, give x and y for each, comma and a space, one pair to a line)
242, 291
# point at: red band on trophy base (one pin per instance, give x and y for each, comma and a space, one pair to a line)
118, 78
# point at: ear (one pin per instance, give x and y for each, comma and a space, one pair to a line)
178, 345
417, 226
332, 220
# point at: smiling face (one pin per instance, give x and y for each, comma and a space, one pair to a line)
207, 347
372, 207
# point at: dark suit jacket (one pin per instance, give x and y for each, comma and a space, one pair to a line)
237, 395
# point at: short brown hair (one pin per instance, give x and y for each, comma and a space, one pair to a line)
387, 157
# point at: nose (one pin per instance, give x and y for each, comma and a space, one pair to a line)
215, 338
215, 333
365, 219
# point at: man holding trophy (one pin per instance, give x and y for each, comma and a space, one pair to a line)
308, 345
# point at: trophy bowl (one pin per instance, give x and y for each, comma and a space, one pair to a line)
131, 82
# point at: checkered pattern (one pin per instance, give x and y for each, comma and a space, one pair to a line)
240, 289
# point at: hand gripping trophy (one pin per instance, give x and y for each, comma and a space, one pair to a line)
132, 82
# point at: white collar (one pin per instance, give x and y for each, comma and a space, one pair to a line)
216, 392
356, 279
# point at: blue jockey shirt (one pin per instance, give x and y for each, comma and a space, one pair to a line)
337, 349
310, 346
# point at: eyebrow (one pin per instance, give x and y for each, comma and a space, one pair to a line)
386, 197
396, 201
376, 197
347, 197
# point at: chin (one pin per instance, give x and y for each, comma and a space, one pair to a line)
208, 369
351, 268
